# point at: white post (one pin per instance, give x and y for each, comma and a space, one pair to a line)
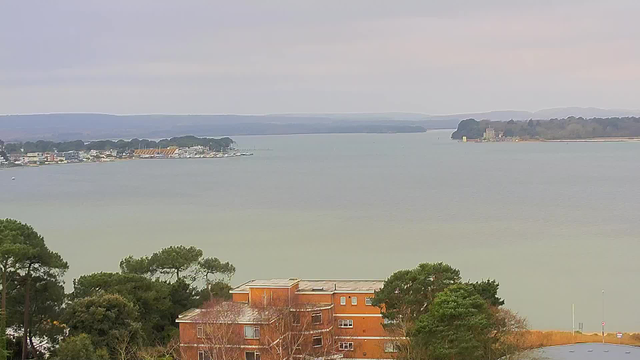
573, 319
603, 316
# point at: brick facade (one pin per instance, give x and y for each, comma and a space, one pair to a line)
320, 319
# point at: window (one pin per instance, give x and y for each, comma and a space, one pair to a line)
343, 300
354, 300
345, 323
345, 346
316, 318
251, 332
200, 331
252, 355
391, 347
368, 301
296, 319
203, 356
389, 321
317, 341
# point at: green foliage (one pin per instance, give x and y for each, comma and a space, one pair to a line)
150, 297
26, 262
161, 287
179, 262
215, 290
176, 260
470, 128
172, 261
76, 348
119, 312
183, 297
458, 325
12, 251
213, 266
488, 290
45, 312
140, 266
444, 319
408, 293
554, 129
105, 318
79, 145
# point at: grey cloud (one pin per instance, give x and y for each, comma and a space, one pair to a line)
149, 56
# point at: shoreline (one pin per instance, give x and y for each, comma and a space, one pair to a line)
633, 139
590, 140
113, 160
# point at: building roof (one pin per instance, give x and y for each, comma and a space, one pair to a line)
341, 285
314, 285
230, 313
167, 152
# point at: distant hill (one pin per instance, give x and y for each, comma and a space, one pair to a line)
545, 114
73, 126
64, 127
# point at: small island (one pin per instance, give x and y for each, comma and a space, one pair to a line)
43, 152
567, 129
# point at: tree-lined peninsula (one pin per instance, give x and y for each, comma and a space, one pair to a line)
212, 144
571, 128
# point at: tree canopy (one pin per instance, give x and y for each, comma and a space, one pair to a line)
79, 145
408, 293
76, 348
554, 129
150, 297
121, 314
443, 318
178, 262
25, 261
457, 326
105, 318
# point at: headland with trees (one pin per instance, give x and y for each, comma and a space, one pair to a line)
213, 144
570, 128
43, 152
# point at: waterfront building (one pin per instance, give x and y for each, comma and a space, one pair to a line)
168, 152
279, 318
71, 156
490, 134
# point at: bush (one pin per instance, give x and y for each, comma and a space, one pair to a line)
76, 348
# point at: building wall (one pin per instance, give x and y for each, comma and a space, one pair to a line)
240, 297
366, 349
362, 326
320, 298
188, 333
367, 334
191, 343
270, 296
359, 308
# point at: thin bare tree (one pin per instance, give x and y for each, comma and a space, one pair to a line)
294, 335
222, 334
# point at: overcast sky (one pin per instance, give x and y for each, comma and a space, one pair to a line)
250, 57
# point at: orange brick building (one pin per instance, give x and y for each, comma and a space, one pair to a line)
289, 318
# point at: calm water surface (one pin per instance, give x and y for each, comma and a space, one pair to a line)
555, 223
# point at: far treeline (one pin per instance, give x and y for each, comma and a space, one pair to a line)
131, 314
221, 144
571, 128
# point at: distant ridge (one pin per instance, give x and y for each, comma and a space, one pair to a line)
90, 126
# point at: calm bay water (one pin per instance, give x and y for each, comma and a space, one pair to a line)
555, 223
